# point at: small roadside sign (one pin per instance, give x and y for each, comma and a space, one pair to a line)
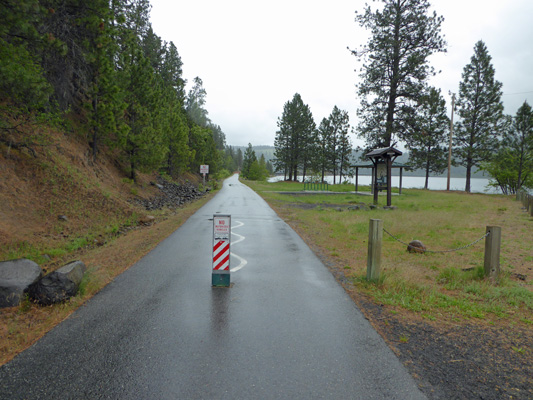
221, 250
204, 169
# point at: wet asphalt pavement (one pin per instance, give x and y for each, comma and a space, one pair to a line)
284, 330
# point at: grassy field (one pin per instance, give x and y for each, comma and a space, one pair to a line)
447, 286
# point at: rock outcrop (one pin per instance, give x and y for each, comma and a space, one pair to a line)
172, 195
16, 276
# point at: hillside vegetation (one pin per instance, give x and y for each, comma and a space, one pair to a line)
58, 205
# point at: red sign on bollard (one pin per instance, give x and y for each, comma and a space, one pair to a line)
221, 250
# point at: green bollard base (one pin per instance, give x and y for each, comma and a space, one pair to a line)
220, 280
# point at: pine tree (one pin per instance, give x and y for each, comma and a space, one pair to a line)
403, 36
195, 104
249, 159
344, 154
325, 132
104, 102
142, 143
174, 126
512, 167
22, 78
339, 145
282, 150
428, 133
520, 140
481, 111
295, 140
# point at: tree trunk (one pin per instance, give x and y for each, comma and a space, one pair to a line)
393, 94
468, 173
427, 174
95, 128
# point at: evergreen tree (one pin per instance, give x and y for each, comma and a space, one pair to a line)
218, 136
22, 78
175, 130
172, 72
239, 159
142, 143
175, 133
512, 167
282, 150
520, 141
481, 111
428, 133
296, 138
403, 36
344, 154
195, 104
324, 158
104, 103
249, 159
339, 146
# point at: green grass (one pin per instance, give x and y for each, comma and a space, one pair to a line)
435, 285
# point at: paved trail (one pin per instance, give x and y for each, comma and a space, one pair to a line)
284, 330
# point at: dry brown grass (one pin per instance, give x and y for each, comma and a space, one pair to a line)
102, 227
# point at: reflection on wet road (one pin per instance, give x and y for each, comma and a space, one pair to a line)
284, 329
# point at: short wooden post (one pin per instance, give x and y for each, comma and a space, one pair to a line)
531, 205
492, 251
401, 173
375, 237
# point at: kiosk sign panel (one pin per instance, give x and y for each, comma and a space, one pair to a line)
221, 250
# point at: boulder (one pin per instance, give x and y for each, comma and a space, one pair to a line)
416, 246
74, 271
59, 285
16, 276
147, 220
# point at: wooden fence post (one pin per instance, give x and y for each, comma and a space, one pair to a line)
531, 205
492, 251
375, 237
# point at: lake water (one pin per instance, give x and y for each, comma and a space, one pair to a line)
477, 185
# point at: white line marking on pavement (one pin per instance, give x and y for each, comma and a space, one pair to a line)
242, 261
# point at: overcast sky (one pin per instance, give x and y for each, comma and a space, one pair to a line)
254, 56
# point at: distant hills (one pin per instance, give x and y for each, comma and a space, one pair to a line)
456, 172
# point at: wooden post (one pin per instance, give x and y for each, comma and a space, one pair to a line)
375, 237
389, 181
375, 183
401, 171
531, 205
492, 251
356, 179
372, 180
